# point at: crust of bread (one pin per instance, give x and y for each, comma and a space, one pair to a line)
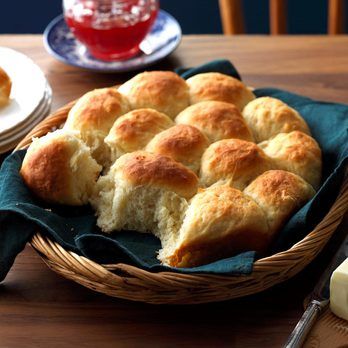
217, 120
59, 168
144, 168
97, 110
235, 161
298, 153
163, 91
279, 194
132, 131
45, 172
267, 117
183, 143
220, 87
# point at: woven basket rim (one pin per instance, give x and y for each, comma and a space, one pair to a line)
91, 274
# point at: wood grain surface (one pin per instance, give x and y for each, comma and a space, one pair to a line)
41, 309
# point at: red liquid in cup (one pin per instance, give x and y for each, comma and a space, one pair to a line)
112, 40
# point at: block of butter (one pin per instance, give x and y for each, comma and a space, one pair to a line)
339, 291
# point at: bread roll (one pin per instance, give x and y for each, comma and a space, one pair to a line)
93, 115
219, 222
164, 91
217, 120
59, 168
298, 153
183, 143
268, 116
279, 194
220, 87
132, 131
144, 192
5, 87
235, 161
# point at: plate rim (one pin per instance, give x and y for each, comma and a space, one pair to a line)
62, 59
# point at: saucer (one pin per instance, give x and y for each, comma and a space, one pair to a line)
162, 40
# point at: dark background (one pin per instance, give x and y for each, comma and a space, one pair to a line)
195, 16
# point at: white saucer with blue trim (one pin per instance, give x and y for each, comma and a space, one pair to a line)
162, 40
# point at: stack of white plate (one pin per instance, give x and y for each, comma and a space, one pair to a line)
31, 98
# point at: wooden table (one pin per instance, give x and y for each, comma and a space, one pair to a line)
41, 309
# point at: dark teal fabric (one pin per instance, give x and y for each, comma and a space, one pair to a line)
224, 67
21, 214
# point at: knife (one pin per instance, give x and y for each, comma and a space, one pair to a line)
319, 299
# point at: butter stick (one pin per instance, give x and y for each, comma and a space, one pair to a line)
339, 291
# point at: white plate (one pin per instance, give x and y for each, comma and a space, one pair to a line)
11, 142
30, 120
28, 88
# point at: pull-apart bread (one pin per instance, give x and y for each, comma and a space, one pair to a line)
203, 164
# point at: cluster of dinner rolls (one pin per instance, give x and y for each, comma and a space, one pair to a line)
203, 164
5, 87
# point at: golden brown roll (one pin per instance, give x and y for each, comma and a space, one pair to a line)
163, 91
220, 87
134, 130
267, 117
144, 192
59, 168
217, 120
279, 194
219, 222
5, 87
93, 115
183, 143
233, 161
298, 153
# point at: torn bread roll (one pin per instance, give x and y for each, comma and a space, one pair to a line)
144, 192
219, 222
59, 168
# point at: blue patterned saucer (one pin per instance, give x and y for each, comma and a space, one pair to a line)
163, 39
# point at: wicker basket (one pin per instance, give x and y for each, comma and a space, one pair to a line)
132, 283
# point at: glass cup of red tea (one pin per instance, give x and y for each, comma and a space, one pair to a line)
110, 29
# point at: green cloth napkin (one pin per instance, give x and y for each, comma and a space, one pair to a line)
21, 214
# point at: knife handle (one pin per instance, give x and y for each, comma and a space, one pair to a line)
305, 324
